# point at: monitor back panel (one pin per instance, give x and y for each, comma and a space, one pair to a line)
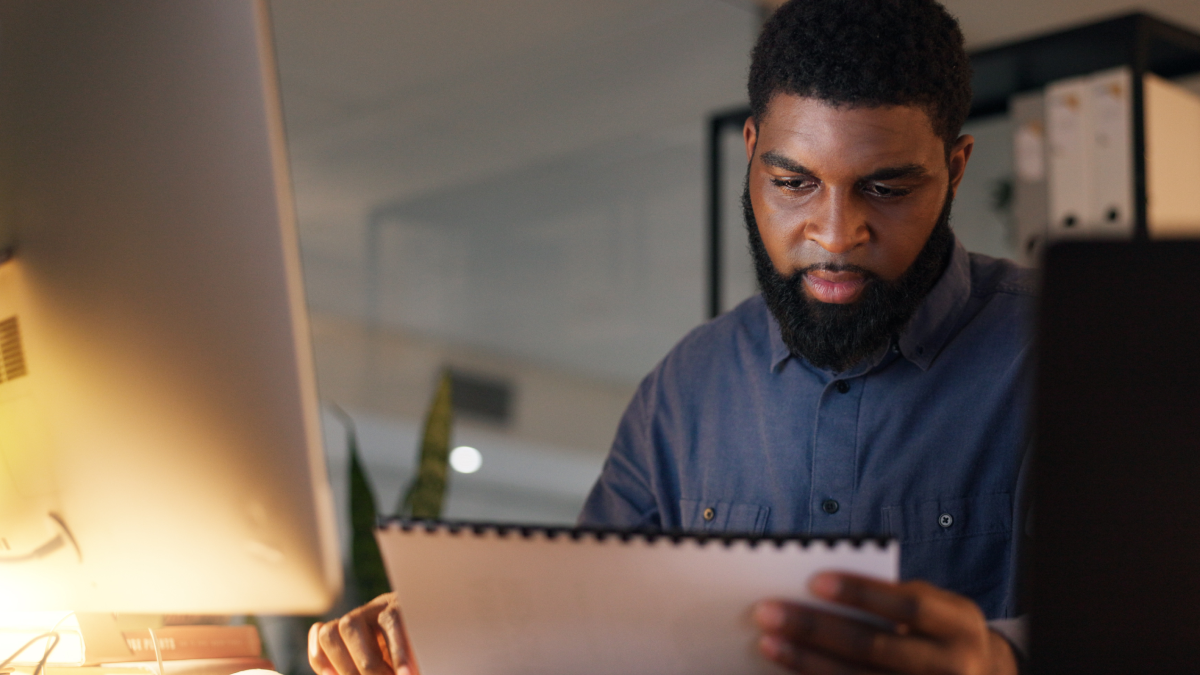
1115, 569
160, 447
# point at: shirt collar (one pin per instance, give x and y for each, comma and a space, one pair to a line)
931, 325
938, 314
779, 351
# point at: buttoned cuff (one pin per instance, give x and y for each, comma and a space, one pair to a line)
1016, 633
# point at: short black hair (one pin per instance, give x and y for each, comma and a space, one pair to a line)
865, 53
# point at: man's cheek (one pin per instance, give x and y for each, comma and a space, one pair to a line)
895, 255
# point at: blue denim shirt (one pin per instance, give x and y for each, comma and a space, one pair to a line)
925, 441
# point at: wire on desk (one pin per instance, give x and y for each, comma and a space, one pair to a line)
41, 666
157, 653
45, 657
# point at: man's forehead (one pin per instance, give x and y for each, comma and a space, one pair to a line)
795, 126
807, 114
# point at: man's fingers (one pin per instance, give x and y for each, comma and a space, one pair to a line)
316, 656
370, 611
807, 661
922, 607
395, 636
350, 645
330, 640
362, 642
356, 644
845, 639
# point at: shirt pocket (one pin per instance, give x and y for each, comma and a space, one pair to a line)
963, 545
697, 515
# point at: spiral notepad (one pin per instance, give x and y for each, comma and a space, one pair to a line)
512, 600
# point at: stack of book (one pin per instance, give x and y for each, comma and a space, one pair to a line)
112, 645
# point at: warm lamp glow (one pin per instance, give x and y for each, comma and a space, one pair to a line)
19, 628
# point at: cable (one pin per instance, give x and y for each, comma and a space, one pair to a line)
157, 653
57, 638
41, 666
29, 644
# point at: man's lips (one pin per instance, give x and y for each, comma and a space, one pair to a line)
834, 287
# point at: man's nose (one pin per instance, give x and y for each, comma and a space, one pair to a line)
839, 224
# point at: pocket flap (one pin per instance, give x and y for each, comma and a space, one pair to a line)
949, 518
698, 515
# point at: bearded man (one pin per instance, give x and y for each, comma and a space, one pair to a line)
877, 384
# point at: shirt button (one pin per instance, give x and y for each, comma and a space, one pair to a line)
709, 513
945, 520
829, 506
843, 386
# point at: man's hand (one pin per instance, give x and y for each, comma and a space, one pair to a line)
935, 631
369, 640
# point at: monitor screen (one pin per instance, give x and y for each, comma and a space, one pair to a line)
1114, 535
159, 424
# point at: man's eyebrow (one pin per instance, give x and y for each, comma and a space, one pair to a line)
894, 172
779, 161
775, 159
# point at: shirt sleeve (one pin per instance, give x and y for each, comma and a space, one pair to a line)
1016, 633
622, 497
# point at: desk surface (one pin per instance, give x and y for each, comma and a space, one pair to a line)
180, 667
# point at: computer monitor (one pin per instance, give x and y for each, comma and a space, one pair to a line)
159, 430
1115, 520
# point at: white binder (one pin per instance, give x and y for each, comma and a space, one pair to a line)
1110, 193
1030, 209
1090, 130
1068, 128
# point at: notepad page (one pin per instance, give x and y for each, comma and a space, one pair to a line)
487, 604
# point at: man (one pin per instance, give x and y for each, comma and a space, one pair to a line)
875, 386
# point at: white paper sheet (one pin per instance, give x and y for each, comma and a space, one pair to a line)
485, 604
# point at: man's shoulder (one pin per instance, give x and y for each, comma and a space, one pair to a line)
999, 316
992, 277
737, 339
746, 324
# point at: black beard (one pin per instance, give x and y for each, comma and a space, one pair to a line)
838, 336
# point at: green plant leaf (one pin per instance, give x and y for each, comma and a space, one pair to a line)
425, 497
370, 576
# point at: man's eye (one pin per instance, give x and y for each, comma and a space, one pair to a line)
792, 183
879, 190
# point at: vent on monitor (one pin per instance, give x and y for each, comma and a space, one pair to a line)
12, 354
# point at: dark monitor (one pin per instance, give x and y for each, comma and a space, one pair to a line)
1115, 567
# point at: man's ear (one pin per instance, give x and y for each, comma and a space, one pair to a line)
957, 161
750, 135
